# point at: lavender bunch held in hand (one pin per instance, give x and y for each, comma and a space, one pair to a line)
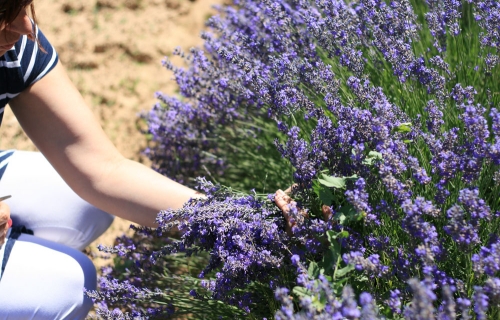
244, 235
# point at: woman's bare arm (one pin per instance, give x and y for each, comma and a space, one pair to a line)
54, 115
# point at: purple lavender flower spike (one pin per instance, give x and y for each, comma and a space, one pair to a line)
286, 311
443, 15
349, 307
368, 306
435, 121
359, 199
447, 310
394, 301
487, 261
371, 266
464, 305
476, 146
464, 233
421, 306
480, 303
415, 224
494, 151
487, 14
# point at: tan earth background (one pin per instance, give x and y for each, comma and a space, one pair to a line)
112, 50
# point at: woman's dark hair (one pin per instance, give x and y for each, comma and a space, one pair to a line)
10, 9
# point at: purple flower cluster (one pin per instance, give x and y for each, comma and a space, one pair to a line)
487, 14
178, 131
112, 291
244, 236
359, 200
371, 265
488, 260
464, 228
494, 149
344, 307
415, 224
443, 15
421, 306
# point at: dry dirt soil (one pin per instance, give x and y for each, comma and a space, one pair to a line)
112, 50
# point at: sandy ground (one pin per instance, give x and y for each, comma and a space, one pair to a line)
112, 50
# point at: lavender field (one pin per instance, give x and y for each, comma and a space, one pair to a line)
384, 117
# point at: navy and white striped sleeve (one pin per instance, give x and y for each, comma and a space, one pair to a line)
23, 65
34, 62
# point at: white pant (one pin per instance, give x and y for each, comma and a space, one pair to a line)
46, 273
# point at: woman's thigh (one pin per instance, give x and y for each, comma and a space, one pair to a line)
44, 203
45, 280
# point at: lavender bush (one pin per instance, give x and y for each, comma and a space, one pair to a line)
385, 116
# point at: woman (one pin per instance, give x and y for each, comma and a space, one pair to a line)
66, 194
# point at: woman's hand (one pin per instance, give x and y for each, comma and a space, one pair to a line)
287, 205
5, 221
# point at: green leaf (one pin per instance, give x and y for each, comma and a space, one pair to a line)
320, 303
332, 182
332, 235
367, 161
338, 285
317, 188
360, 216
346, 213
403, 127
372, 156
301, 291
343, 234
326, 196
375, 154
335, 182
313, 270
336, 248
332, 255
328, 261
341, 217
342, 272
353, 177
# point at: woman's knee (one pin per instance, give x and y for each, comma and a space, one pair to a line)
43, 202
46, 280
79, 234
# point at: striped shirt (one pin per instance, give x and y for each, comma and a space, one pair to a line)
20, 67
23, 65
4, 160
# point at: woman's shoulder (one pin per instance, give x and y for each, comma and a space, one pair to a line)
26, 63
36, 58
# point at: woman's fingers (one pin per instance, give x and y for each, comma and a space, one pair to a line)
282, 200
286, 204
4, 227
290, 188
5, 221
327, 212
